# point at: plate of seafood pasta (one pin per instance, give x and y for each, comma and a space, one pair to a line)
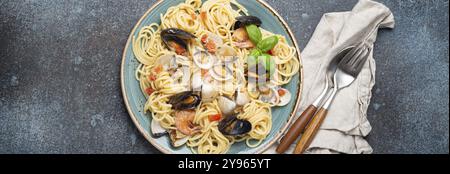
211, 76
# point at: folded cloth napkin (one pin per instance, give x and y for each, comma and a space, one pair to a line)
346, 125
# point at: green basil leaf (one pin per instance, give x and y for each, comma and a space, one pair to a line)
268, 43
255, 52
254, 33
252, 59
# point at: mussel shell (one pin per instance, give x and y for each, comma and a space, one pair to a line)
242, 21
232, 126
177, 36
178, 101
171, 38
177, 32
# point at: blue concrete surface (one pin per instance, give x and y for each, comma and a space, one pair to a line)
60, 64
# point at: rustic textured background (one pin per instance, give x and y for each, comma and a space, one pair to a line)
60, 63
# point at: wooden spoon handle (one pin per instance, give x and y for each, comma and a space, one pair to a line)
296, 129
311, 131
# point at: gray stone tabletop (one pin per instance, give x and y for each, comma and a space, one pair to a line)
60, 74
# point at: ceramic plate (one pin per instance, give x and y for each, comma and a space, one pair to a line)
135, 100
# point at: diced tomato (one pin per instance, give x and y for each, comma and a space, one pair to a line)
149, 91
281, 92
152, 77
194, 16
216, 117
204, 39
211, 46
158, 69
203, 15
270, 52
204, 72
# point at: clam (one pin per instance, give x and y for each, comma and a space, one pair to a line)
171, 62
269, 95
203, 59
156, 130
186, 78
226, 51
285, 96
226, 105
252, 90
227, 54
209, 93
177, 75
185, 101
222, 72
232, 126
240, 34
242, 39
211, 42
242, 97
197, 81
176, 39
176, 139
168, 61
242, 21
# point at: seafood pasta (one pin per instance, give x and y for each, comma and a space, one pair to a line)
211, 75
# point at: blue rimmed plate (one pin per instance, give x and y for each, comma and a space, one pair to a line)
135, 100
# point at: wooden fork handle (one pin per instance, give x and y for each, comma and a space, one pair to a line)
310, 132
296, 129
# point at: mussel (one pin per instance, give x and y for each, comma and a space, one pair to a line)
176, 39
232, 126
185, 101
242, 21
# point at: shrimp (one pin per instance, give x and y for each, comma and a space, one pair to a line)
184, 122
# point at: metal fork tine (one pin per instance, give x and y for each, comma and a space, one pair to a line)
354, 58
362, 54
363, 60
353, 64
349, 56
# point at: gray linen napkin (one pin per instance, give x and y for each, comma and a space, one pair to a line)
346, 125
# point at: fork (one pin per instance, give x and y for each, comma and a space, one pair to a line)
300, 124
348, 70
